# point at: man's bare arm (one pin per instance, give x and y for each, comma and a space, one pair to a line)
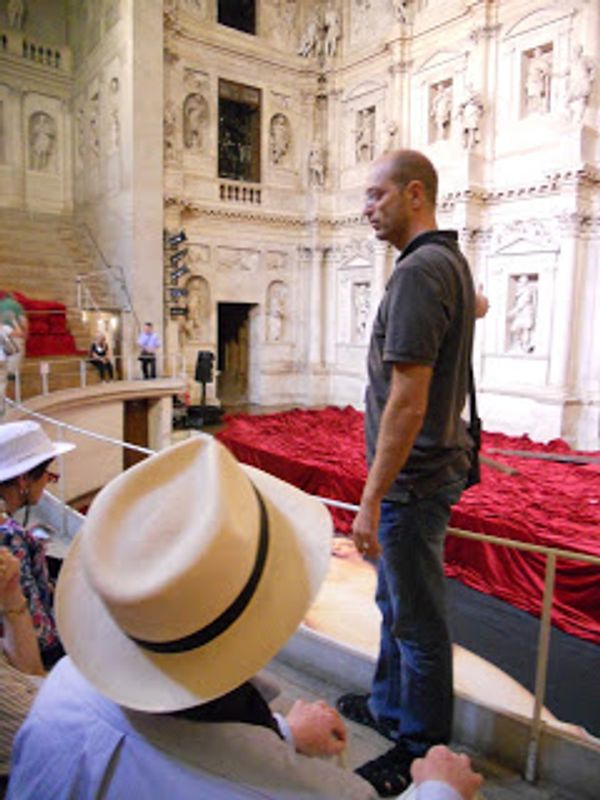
401, 421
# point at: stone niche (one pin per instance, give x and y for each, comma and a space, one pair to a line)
354, 309
363, 114
45, 152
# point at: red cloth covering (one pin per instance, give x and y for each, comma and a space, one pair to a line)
48, 331
547, 503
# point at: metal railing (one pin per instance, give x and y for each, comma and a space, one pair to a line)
113, 274
168, 365
551, 554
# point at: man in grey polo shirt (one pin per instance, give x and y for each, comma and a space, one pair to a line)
418, 454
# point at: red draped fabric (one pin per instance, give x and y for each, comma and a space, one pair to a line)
547, 503
48, 327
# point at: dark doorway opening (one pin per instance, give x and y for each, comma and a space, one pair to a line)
238, 14
233, 355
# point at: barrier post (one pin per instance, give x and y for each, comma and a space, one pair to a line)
533, 747
82, 374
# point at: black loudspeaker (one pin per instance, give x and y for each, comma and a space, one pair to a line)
204, 366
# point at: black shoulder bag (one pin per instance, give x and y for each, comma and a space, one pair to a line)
474, 430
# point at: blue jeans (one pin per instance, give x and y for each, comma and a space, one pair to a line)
412, 686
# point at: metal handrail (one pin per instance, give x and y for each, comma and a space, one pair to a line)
552, 554
171, 364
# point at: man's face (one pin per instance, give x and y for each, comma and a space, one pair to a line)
387, 207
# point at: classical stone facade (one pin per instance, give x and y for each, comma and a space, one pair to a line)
502, 95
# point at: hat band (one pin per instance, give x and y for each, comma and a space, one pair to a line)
232, 612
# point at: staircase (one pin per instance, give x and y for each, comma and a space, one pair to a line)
41, 255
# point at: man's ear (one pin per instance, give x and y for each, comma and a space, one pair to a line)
416, 194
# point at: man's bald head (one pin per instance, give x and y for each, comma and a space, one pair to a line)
410, 165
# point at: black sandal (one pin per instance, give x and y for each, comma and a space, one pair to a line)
356, 708
389, 774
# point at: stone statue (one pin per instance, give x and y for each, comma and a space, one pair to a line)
391, 130
115, 123
401, 10
15, 12
441, 110
169, 128
94, 125
276, 311
522, 315
470, 112
581, 79
362, 305
195, 119
311, 40
333, 31
537, 83
42, 136
365, 135
279, 137
316, 164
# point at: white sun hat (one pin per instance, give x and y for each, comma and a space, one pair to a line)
24, 445
189, 574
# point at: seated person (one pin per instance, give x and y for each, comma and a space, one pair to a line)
100, 357
189, 574
26, 454
19, 656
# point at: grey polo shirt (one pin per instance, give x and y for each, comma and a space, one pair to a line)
426, 316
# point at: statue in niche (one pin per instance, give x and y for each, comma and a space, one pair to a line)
310, 43
279, 137
537, 82
365, 135
115, 124
276, 311
195, 120
111, 13
80, 119
391, 130
470, 112
441, 110
169, 128
581, 79
316, 164
401, 10
522, 315
197, 308
94, 125
362, 306
333, 31
42, 136
15, 13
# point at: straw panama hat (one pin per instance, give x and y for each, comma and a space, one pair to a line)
24, 445
188, 575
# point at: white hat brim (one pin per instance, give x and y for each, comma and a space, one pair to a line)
20, 468
296, 565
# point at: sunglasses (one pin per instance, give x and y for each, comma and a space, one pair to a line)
53, 477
